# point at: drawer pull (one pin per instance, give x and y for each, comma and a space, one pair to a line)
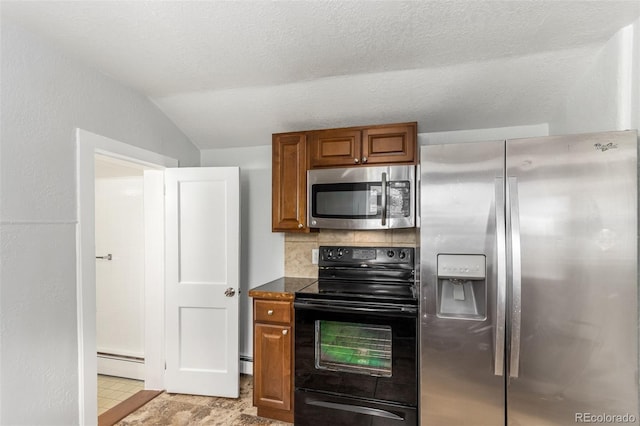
270, 312
284, 332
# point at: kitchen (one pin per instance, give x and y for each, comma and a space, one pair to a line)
594, 102
504, 293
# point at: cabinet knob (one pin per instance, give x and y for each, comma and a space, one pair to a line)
270, 312
300, 226
364, 159
355, 160
284, 332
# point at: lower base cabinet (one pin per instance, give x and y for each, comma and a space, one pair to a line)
273, 359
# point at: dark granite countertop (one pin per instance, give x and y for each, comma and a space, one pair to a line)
280, 289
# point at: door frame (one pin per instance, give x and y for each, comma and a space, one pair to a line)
89, 144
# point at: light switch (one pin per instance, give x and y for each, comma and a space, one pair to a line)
314, 256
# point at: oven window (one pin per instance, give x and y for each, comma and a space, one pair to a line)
353, 347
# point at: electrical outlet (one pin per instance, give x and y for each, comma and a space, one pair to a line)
314, 256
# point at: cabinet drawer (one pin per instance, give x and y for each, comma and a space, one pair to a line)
272, 311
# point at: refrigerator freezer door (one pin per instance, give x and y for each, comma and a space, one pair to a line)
461, 373
578, 345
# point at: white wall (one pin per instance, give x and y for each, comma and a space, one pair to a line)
45, 97
607, 95
119, 227
261, 251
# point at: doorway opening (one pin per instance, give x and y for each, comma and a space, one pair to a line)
119, 239
90, 145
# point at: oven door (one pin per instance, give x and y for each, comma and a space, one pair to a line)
355, 361
361, 197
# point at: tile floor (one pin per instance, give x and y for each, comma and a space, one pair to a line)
114, 390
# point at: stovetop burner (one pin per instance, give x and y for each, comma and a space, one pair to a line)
378, 274
359, 291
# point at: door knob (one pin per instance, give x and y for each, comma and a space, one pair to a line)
285, 332
230, 292
364, 159
300, 226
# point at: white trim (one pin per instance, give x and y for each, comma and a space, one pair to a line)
121, 367
246, 367
123, 151
154, 279
87, 146
85, 278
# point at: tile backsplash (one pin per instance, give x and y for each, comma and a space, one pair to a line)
297, 247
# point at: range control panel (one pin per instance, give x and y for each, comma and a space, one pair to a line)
366, 255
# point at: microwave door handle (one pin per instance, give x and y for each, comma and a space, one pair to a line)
384, 198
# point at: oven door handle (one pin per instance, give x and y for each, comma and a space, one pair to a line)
379, 310
355, 409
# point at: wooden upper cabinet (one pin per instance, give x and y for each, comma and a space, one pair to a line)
392, 144
289, 182
385, 144
337, 147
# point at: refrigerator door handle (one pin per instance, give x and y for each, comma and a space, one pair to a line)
501, 284
516, 277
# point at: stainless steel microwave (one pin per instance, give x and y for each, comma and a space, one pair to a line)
362, 197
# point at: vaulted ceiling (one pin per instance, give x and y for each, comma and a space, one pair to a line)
231, 73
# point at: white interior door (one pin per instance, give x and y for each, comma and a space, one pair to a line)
202, 280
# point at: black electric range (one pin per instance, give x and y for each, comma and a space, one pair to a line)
356, 339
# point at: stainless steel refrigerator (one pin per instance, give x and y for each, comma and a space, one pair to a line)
529, 278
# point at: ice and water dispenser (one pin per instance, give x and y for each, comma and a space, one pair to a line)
462, 286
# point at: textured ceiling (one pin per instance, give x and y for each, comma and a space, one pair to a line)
231, 73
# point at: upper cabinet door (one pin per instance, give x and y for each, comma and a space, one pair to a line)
389, 144
289, 182
335, 148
